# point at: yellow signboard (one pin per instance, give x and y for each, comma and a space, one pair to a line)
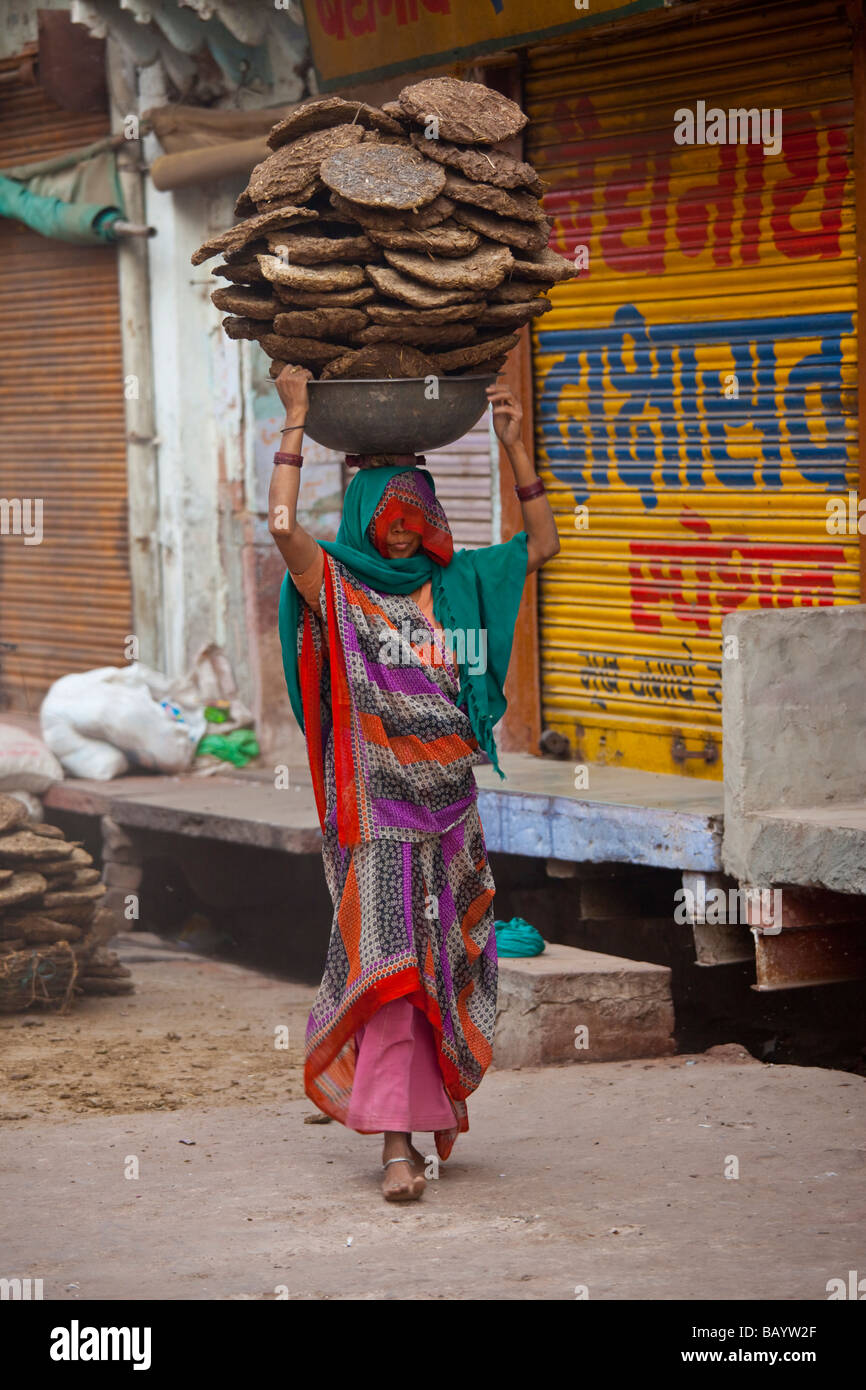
365, 40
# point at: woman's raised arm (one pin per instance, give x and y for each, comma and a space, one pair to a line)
538, 520
296, 545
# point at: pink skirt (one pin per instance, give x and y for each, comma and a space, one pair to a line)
398, 1084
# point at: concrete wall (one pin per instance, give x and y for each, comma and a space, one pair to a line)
794, 741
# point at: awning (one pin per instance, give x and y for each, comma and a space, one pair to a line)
249, 41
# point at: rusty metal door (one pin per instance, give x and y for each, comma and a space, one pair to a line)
65, 599
695, 388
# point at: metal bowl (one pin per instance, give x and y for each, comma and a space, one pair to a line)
394, 417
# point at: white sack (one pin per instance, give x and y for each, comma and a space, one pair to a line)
26, 764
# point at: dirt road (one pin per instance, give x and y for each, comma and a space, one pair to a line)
602, 1180
196, 1031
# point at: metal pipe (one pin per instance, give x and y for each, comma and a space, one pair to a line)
145, 556
121, 228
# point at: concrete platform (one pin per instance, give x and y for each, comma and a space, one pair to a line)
632, 817
568, 1005
626, 816
795, 747
809, 845
238, 807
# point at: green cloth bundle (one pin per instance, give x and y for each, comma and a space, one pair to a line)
518, 938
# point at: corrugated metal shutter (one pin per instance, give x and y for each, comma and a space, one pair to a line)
696, 387
464, 485
65, 604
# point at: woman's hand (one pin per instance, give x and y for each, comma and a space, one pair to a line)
507, 414
292, 390
297, 548
538, 520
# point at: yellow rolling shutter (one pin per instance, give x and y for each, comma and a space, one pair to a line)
695, 389
65, 603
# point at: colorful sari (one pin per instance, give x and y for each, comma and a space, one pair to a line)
391, 754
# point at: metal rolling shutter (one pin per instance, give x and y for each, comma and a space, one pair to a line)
65, 604
464, 485
707, 262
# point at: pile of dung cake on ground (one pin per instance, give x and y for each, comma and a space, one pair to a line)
50, 935
399, 242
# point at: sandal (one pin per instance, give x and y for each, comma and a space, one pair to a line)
415, 1189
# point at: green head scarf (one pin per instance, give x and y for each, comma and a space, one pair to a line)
478, 590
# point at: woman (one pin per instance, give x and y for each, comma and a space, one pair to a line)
395, 649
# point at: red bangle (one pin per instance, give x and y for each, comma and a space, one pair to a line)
296, 460
529, 490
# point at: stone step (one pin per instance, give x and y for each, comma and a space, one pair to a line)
568, 1005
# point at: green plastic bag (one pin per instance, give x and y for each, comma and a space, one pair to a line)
239, 747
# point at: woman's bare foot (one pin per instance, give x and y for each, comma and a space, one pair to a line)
401, 1182
418, 1159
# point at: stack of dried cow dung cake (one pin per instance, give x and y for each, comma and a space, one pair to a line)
49, 900
400, 242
